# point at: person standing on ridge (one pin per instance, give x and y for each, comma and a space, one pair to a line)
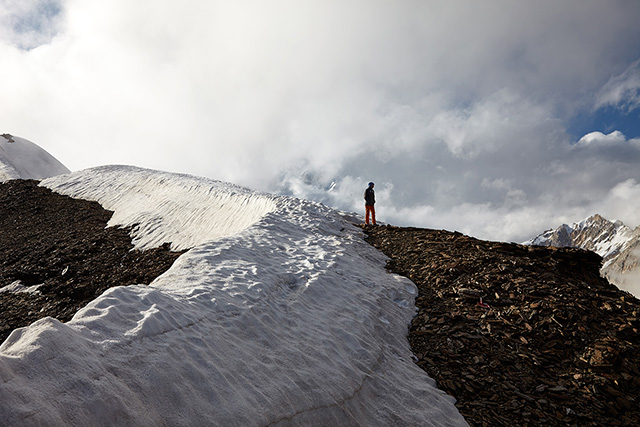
370, 200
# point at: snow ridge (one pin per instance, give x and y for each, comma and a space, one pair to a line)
22, 159
185, 211
281, 314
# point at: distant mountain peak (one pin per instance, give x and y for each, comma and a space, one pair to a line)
22, 159
615, 242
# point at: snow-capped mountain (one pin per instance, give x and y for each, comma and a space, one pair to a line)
618, 245
279, 314
595, 233
22, 159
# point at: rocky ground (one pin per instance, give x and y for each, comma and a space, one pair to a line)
59, 248
519, 335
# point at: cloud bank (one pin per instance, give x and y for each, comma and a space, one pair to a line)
458, 110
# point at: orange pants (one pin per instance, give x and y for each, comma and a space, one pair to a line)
372, 210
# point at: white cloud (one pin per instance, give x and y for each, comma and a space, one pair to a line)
623, 90
30, 23
621, 202
626, 191
630, 279
455, 109
595, 138
498, 184
614, 149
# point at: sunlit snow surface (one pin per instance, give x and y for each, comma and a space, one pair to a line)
22, 159
281, 314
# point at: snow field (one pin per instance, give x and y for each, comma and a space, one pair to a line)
164, 207
22, 159
280, 314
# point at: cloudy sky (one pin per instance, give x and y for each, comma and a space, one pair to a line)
499, 119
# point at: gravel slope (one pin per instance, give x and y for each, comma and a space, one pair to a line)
61, 246
550, 343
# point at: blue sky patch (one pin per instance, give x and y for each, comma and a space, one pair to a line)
606, 120
36, 24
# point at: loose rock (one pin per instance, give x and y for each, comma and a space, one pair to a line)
60, 253
519, 335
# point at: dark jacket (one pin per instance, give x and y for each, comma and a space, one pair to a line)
369, 196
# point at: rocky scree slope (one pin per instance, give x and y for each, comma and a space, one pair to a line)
519, 335
56, 255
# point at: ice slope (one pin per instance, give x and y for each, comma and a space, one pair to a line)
280, 315
22, 159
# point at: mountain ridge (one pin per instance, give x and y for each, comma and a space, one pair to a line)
513, 332
281, 288
618, 244
280, 312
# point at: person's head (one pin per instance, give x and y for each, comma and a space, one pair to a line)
371, 184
